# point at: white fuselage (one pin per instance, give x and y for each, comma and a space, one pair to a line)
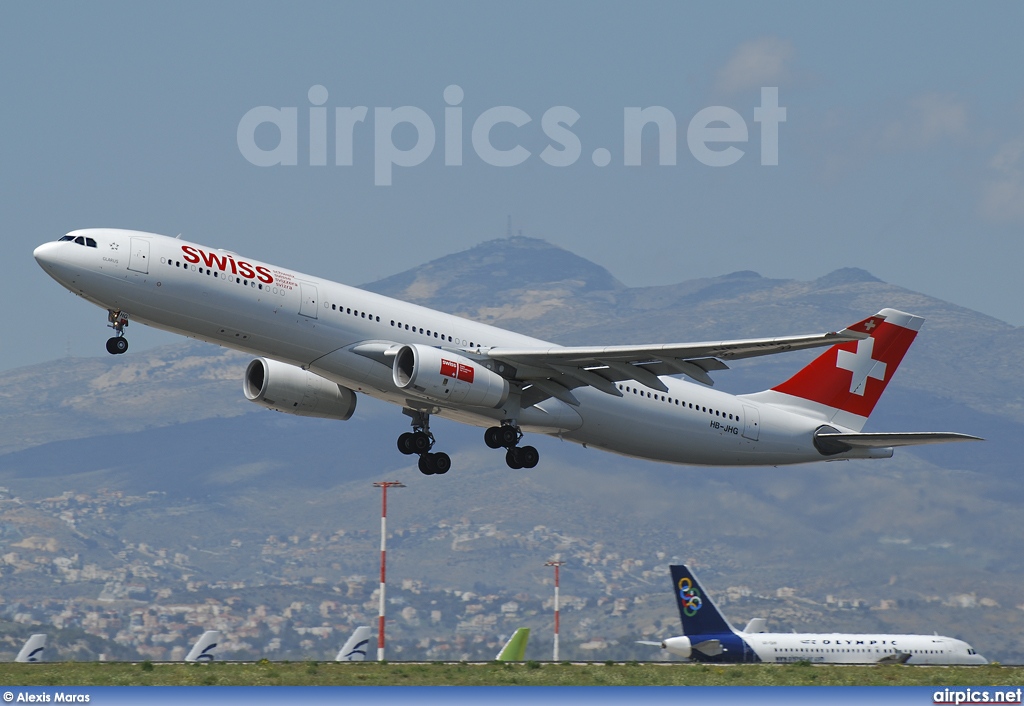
860, 649
312, 323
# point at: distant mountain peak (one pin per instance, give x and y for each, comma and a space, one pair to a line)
495, 269
846, 275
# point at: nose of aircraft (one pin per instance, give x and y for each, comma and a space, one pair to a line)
46, 254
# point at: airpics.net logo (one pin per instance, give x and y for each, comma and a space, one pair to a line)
712, 134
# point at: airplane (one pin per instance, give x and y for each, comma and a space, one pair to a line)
355, 647
515, 649
202, 651
33, 649
319, 343
708, 637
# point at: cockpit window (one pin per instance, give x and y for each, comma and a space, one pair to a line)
80, 240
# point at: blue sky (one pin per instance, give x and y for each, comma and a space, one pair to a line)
902, 151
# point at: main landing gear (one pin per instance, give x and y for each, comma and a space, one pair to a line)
420, 441
117, 320
508, 436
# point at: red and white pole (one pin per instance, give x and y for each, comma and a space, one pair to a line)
555, 564
383, 485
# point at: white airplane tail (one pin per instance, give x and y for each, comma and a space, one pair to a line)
202, 651
355, 648
33, 649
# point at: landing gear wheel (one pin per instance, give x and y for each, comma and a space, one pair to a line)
405, 444
492, 437
427, 464
442, 463
117, 345
529, 456
512, 458
508, 435
421, 442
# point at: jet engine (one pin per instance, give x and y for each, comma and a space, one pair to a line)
448, 377
681, 646
286, 388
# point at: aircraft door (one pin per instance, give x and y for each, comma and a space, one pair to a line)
307, 306
138, 258
751, 423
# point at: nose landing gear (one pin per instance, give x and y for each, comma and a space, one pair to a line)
508, 436
117, 320
420, 441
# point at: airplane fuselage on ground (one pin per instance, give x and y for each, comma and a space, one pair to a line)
708, 637
353, 338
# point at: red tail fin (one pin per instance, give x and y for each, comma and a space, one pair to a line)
850, 377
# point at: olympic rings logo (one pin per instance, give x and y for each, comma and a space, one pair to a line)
689, 597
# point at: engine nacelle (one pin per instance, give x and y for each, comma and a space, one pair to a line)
678, 646
448, 377
286, 388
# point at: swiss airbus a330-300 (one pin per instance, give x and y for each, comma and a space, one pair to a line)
320, 342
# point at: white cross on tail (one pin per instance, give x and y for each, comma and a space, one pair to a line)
862, 365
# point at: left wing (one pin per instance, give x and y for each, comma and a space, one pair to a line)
554, 372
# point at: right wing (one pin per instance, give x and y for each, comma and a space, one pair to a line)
555, 371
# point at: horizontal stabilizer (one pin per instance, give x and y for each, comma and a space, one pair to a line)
839, 440
756, 625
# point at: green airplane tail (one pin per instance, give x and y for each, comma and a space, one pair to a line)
515, 649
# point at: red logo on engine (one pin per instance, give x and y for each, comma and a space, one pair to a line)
459, 371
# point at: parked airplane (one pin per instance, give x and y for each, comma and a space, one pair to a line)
319, 343
202, 651
33, 649
354, 649
515, 649
708, 637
